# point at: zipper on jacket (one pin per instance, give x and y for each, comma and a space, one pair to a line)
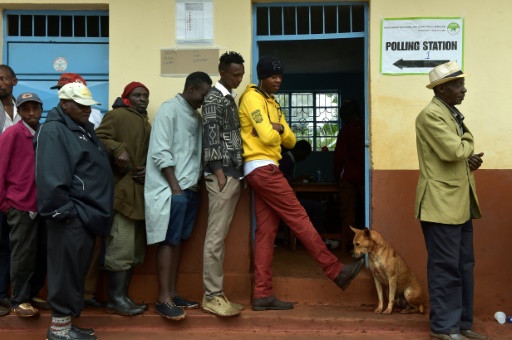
83, 184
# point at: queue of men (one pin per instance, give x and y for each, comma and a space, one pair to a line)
64, 188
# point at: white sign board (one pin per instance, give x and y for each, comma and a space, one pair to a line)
194, 21
416, 45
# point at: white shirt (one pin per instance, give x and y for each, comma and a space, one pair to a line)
8, 120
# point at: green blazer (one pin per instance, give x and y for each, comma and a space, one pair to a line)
446, 191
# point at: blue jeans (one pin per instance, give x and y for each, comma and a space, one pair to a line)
184, 209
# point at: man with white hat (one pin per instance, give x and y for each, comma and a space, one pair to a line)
75, 195
446, 203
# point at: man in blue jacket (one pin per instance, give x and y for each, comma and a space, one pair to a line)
75, 190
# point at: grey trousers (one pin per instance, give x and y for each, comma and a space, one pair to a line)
221, 207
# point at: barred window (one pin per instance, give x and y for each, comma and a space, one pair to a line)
312, 116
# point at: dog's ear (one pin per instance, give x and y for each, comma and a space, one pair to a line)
366, 233
354, 229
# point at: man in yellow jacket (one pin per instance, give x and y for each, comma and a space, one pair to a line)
264, 130
446, 203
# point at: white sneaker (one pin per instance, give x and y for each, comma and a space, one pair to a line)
331, 244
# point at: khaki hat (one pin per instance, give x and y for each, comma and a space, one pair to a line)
78, 93
444, 73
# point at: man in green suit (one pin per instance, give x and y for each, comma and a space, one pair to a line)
446, 203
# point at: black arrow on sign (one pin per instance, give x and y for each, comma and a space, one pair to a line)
418, 63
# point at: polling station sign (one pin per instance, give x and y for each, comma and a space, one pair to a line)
416, 45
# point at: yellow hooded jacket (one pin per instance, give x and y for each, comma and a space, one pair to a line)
258, 111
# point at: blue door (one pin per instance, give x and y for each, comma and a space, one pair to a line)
41, 45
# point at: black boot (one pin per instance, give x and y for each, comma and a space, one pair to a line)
127, 284
118, 302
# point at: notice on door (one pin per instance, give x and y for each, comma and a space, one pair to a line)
416, 45
183, 62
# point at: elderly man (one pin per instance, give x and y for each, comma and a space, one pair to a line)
74, 194
171, 189
125, 133
91, 280
446, 203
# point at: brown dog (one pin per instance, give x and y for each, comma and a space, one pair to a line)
390, 270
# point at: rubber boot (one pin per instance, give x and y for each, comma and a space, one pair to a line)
118, 302
127, 284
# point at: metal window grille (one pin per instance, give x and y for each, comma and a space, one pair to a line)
303, 19
312, 116
65, 26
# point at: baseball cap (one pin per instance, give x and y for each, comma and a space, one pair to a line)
67, 78
78, 93
27, 97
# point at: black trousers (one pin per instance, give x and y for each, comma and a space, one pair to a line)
28, 255
5, 257
450, 272
70, 248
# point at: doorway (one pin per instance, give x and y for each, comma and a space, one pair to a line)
324, 50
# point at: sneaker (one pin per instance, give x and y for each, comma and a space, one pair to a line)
25, 310
237, 306
184, 303
219, 306
331, 244
348, 273
270, 303
169, 310
40, 303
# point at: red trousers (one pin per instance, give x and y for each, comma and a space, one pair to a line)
274, 200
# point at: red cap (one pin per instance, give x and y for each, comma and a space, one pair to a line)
67, 78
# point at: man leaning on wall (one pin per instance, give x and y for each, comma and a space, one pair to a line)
223, 173
446, 203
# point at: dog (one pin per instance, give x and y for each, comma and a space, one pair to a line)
388, 269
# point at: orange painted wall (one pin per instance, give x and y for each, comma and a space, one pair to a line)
392, 207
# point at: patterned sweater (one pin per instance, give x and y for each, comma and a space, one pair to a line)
221, 134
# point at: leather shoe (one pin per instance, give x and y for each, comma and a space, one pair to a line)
452, 336
468, 333
92, 302
88, 331
3, 311
348, 273
270, 303
73, 334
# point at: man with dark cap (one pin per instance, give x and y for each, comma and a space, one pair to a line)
18, 201
264, 130
446, 203
125, 133
75, 190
